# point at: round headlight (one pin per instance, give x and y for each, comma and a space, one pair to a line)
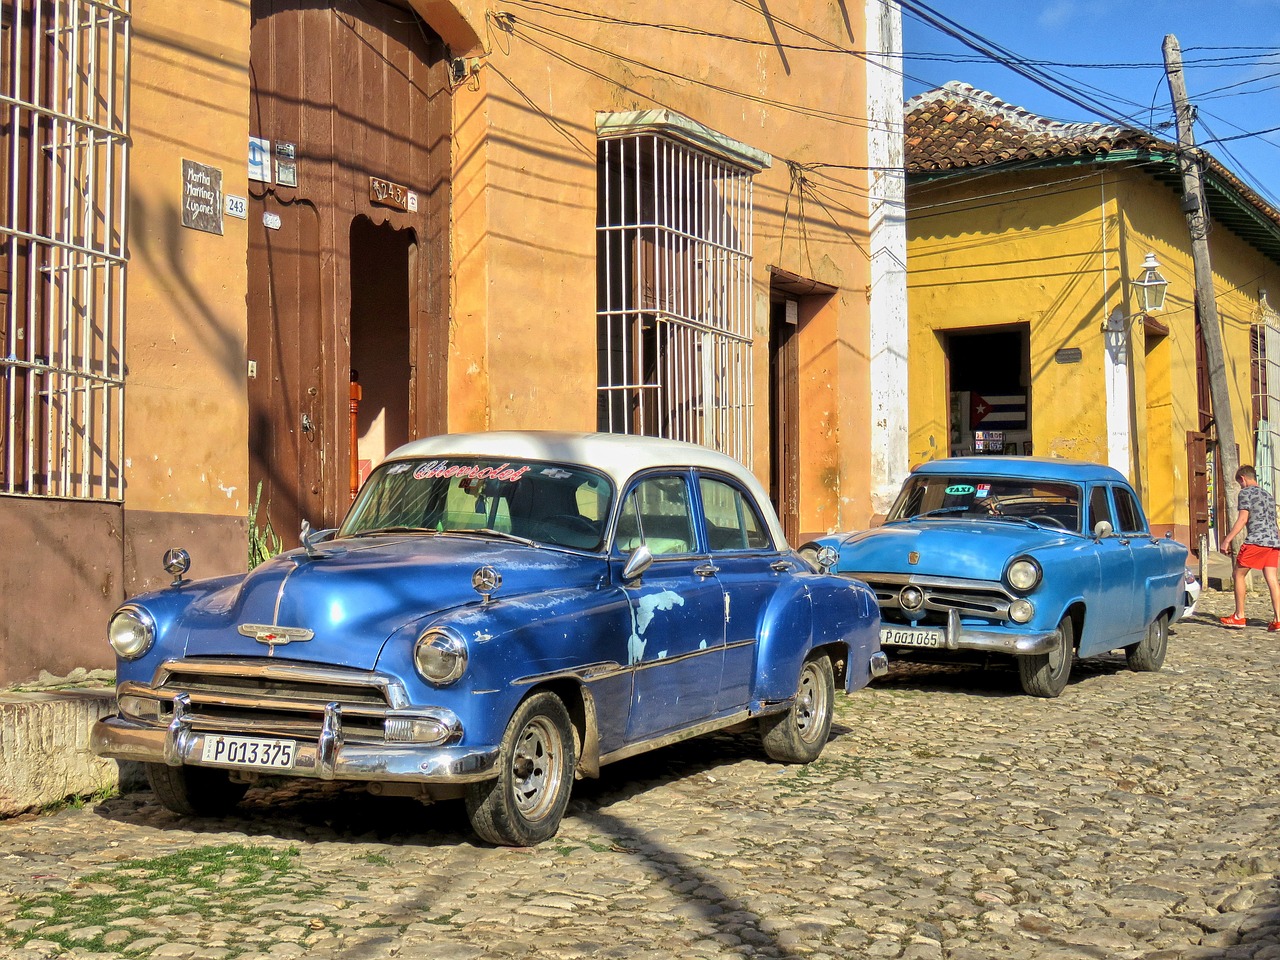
440, 656
1021, 610
1023, 574
131, 632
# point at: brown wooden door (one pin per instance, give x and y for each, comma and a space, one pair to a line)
347, 92
1197, 486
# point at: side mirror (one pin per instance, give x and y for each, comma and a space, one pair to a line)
827, 558
1102, 529
822, 559
640, 560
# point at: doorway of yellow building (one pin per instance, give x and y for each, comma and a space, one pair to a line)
989, 377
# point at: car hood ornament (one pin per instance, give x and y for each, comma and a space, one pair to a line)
273, 635
913, 557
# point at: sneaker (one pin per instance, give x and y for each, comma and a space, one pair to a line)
1238, 622
1274, 627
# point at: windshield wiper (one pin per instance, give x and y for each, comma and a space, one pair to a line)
1009, 516
377, 530
939, 512
490, 532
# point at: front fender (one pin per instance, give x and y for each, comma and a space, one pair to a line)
515, 644
168, 607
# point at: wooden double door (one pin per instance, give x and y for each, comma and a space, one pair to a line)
348, 247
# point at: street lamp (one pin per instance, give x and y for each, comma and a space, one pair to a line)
1151, 286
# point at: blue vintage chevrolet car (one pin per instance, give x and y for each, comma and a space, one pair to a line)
498, 614
1035, 559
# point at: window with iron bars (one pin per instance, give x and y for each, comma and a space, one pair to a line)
64, 103
674, 293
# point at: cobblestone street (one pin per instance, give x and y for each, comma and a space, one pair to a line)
950, 817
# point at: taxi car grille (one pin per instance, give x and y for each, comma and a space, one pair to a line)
280, 699
985, 599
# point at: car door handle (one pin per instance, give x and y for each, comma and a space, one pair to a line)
1123, 542
706, 570
780, 566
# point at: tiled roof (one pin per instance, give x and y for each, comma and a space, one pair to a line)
959, 126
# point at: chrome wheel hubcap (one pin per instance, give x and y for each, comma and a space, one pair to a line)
536, 768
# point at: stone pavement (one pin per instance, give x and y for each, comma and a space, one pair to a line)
950, 817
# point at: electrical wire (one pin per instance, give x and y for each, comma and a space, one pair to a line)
1001, 55
521, 29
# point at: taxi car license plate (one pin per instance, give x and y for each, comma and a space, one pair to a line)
913, 637
260, 752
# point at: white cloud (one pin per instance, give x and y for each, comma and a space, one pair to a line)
1058, 13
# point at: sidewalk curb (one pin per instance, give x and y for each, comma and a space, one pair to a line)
44, 749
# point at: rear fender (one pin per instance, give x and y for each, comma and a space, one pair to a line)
851, 626
786, 637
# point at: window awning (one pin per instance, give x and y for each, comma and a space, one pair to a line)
676, 126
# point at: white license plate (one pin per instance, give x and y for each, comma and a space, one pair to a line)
913, 637
248, 752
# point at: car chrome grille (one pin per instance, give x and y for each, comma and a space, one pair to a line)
984, 599
280, 699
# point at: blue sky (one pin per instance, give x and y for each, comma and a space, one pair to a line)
1110, 36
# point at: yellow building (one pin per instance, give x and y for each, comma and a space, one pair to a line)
1025, 237
250, 248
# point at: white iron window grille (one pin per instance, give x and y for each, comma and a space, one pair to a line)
64, 132
1265, 375
674, 293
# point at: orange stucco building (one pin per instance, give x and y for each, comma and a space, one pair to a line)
632, 217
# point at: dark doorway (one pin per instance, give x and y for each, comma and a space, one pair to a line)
989, 373
784, 414
380, 298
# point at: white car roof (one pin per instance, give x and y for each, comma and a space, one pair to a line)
618, 456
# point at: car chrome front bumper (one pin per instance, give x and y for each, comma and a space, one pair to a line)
329, 758
956, 636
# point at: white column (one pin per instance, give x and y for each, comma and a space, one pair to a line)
1116, 371
886, 186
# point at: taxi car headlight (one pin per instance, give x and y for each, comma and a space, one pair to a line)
1023, 574
1021, 610
440, 656
131, 632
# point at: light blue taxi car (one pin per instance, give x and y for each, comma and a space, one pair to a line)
1040, 560
498, 614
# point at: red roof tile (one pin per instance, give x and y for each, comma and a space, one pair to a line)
959, 126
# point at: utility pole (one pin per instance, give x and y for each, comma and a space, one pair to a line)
1193, 204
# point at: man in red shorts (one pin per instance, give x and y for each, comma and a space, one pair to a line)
1256, 515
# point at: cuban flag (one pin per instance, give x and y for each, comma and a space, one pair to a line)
1006, 412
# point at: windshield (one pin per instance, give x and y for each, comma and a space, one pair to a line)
1045, 502
551, 503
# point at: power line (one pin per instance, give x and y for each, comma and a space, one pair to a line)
521, 28
1211, 62
1007, 58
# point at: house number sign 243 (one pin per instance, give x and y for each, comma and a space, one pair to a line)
387, 194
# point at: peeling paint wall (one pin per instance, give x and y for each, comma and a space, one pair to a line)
523, 337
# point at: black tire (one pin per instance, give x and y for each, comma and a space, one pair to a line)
524, 804
1045, 674
1147, 655
194, 791
799, 734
